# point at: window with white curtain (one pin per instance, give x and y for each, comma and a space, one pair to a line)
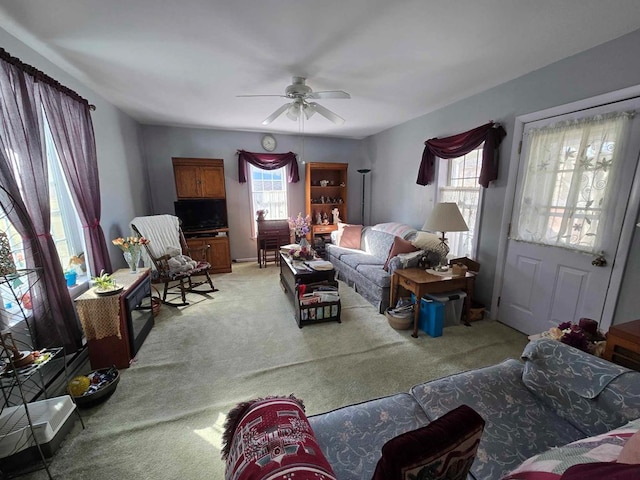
458, 181
268, 190
571, 168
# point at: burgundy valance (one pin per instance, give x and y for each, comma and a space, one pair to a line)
268, 161
458, 145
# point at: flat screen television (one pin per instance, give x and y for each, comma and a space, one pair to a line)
205, 214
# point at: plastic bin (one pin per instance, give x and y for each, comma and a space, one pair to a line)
431, 317
453, 303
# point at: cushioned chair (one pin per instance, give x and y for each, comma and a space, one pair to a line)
166, 251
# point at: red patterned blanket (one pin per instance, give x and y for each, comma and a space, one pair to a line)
272, 439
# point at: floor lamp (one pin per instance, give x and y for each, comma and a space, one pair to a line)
363, 171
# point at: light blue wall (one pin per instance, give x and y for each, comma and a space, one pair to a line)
163, 143
124, 189
396, 153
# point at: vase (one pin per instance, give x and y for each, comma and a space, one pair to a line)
303, 242
132, 257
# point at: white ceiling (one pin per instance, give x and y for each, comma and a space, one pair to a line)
184, 62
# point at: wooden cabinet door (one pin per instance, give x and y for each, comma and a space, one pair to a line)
187, 181
211, 181
219, 254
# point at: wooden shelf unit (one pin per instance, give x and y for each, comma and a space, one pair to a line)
203, 178
334, 194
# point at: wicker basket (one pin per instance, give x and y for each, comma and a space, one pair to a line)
399, 323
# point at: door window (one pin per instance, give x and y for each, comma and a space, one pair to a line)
571, 169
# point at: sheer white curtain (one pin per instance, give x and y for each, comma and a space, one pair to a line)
571, 168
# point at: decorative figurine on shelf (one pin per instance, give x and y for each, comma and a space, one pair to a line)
336, 216
318, 218
325, 218
261, 214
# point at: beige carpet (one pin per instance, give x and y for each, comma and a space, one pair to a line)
164, 420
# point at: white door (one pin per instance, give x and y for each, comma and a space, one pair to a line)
568, 212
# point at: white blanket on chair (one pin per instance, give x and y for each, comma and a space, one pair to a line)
162, 231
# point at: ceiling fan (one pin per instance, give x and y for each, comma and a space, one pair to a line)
299, 92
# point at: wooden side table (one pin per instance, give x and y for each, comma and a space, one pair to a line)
419, 282
623, 345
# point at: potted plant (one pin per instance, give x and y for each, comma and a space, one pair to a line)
104, 281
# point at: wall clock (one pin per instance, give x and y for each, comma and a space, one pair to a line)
268, 143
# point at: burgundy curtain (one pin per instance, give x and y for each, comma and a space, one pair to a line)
268, 161
458, 145
24, 176
72, 131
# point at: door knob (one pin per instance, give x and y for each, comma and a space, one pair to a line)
599, 261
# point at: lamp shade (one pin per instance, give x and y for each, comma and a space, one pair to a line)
445, 217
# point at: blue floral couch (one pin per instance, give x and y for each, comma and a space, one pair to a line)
363, 268
556, 395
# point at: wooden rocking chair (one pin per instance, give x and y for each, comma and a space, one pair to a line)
166, 238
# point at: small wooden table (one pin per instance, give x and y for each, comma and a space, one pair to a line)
419, 282
623, 345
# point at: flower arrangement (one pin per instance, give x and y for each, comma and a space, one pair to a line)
303, 253
129, 244
300, 225
584, 336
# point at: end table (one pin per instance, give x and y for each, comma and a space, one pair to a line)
623, 345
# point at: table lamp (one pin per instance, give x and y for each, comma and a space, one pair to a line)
445, 217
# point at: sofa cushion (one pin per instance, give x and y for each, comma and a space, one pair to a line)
594, 395
352, 437
271, 437
552, 463
354, 260
377, 243
399, 246
375, 274
349, 235
518, 424
444, 449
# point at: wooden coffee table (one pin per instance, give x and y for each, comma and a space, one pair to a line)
419, 282
296, 273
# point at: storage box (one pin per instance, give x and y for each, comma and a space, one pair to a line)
431, 317
52, 419
453, 303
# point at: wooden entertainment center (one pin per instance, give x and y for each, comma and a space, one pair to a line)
199, 179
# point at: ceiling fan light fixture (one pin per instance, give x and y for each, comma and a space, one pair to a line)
293, 111
308, 110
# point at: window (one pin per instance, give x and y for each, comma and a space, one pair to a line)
458, 180
65, 223
570, 175
268, 192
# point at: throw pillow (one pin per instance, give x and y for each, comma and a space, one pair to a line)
399, 246
349, 235
272, 438
430, 242
444, 449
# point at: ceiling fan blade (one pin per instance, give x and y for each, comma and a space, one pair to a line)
325, 112
329, 94
275, 114
283, 96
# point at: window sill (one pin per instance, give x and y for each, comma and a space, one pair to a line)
82, 285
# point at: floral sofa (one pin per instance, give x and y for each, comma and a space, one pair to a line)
363, 268
555, 396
